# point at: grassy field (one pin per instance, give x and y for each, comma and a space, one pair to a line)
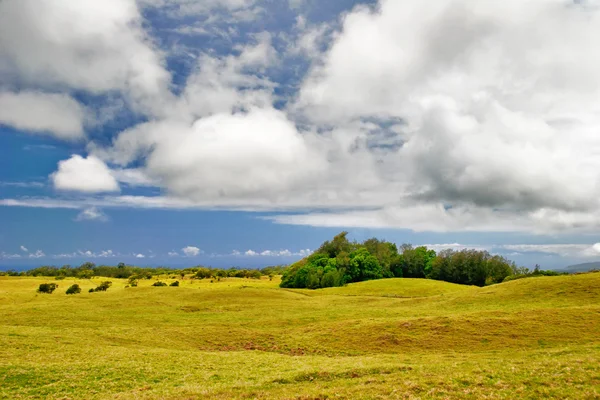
397, 338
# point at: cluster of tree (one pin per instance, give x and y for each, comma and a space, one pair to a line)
340, 261
522, 272
208, 273
89, 270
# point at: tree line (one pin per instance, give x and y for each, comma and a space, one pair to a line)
89, 270
340, 261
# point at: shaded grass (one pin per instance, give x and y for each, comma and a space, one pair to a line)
241, 338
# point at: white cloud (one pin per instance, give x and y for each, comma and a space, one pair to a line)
453, 116
91, 254
238, 10
562, 250
493, 116
37, 254
173, 254
24, 249
274, 253
94, 46
8, 256
191, 251
89, 175
204, 161
455, 247
91, 214
140, 256
133, 177
54, 114
22, 184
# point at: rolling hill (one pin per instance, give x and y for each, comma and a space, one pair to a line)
239, 338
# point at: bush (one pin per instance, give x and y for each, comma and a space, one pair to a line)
74, 289
92, 290
159, 284
47, 288
103, 287
176, 283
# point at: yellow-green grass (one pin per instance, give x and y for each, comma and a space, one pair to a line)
244, 338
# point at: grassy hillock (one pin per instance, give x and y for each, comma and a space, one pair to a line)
248, 338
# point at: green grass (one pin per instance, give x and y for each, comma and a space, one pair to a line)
237, 338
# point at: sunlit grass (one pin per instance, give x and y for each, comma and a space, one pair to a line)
245, 338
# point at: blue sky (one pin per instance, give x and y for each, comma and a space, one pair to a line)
247, 132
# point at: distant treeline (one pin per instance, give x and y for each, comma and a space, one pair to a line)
89, 270
340, 261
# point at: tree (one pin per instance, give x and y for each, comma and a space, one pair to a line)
47, 288
103, 287
74, 289
416, 262
363, 267
339, 244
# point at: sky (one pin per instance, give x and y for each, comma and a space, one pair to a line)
246, 132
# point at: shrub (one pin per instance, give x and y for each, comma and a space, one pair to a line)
92, 290
133, 282
159, 284
74, 289
176, 283
47, 288
103, 287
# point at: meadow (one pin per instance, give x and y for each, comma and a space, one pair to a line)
245, 338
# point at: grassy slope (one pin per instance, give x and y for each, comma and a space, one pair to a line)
244, 338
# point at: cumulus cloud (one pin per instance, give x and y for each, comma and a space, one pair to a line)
488, 116
37, 254
274, 253
9, 256
191, 251
140, 256
91, 214
91, 254
24, 249
453, 116
55, 114
89, 175
98, 47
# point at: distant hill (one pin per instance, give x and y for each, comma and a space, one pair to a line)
585, 267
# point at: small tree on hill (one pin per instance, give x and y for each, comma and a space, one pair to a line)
103, 287
47, 288
74, 289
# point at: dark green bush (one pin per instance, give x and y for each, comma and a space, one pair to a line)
159, 284
176, 283
103, 287
47, 288
74, 289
